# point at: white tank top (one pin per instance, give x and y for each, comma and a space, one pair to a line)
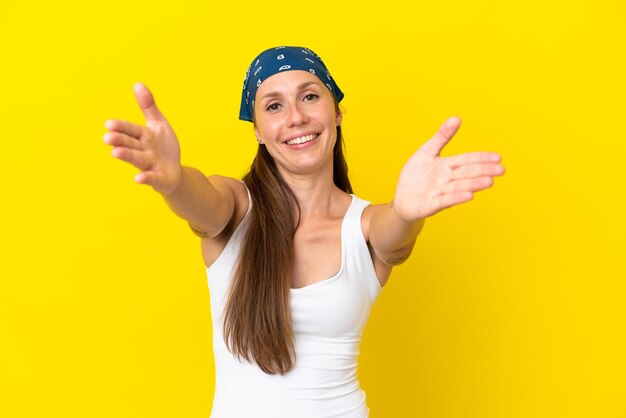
328, 320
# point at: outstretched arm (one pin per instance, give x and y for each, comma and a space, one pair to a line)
206, 203
428, 183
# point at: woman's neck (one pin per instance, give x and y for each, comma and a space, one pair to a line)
316, 193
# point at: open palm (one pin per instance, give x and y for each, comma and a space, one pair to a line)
429, 183
153, 149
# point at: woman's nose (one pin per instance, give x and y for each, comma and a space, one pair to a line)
296, 116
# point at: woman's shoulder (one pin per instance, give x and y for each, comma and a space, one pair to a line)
368, 212
238, 190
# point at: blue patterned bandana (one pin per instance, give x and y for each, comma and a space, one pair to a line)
275, 60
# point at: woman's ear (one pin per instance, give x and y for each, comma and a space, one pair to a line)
258, 135
339, 116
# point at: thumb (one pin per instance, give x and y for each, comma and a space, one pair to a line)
146, 103
445, 133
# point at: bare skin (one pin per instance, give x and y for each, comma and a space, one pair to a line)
300, 105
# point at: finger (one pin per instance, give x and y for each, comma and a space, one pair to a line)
451, 199
476, 170
124, 127
146, 102
479, 157
471, 185
445, 133
137, 158
122, 140
147, 177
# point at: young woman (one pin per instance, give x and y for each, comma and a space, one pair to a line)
295, 261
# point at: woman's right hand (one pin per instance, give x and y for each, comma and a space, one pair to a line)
153, 148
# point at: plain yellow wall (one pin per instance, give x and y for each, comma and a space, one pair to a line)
512, 305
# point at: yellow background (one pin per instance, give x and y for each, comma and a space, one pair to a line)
512, 305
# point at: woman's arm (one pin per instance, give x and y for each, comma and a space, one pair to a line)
206, 203
428, 183
391, 237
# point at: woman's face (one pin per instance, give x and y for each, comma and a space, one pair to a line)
296, 118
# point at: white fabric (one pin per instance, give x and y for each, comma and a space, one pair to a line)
328, 320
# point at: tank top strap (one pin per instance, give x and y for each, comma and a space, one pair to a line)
355, 211
249, 198
242, 225
357, 255
353, 232
230, 251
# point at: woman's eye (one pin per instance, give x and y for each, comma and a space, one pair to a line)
273, 106
310, 96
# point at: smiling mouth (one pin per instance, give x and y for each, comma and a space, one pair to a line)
302, 139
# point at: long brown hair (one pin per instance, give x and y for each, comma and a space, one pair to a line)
257, 319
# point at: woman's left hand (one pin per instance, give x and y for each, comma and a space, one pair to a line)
429, 183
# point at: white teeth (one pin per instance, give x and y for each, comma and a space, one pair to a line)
302, 139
